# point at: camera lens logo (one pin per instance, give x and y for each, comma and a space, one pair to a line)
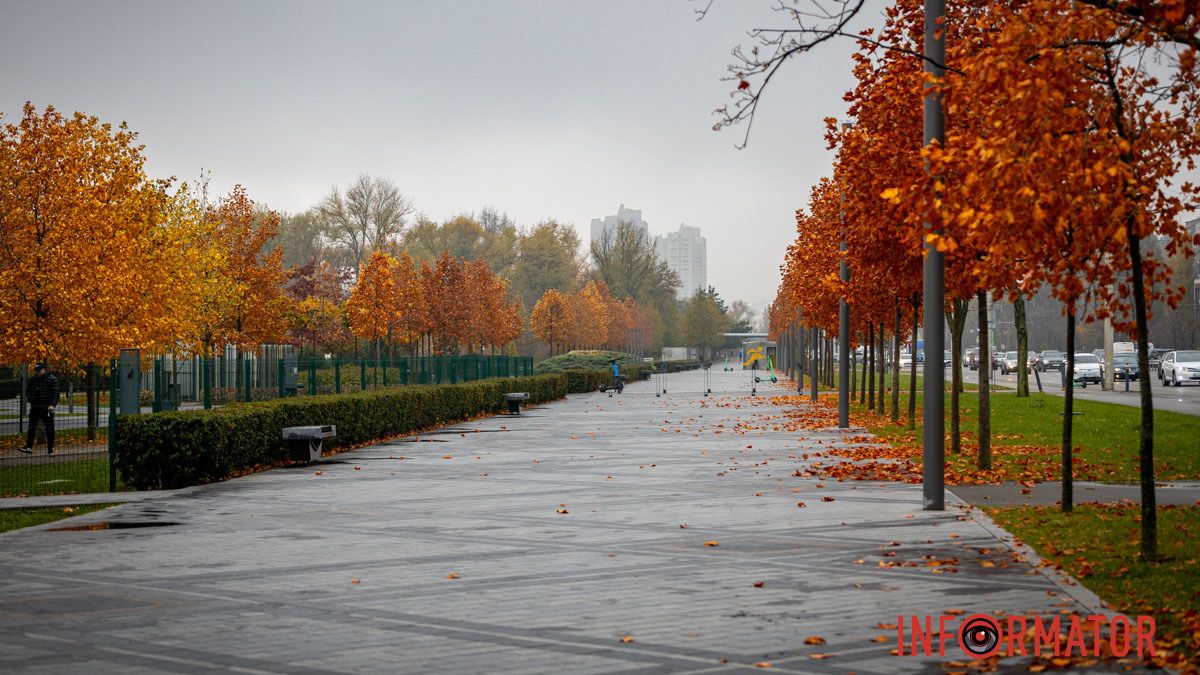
979, 636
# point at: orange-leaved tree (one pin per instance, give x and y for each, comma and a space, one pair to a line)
551, 319
373, 308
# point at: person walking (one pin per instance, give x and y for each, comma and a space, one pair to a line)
42, 394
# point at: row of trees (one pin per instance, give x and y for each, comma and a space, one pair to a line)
1067, 124
454, 306
96, 256
591, 318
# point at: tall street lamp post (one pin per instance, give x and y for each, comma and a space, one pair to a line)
933, 419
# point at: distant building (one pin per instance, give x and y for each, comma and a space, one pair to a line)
686, 253
608, 224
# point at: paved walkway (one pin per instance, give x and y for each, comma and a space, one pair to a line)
553, 542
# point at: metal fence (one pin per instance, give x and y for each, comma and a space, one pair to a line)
88, 399
181, 384
80, 461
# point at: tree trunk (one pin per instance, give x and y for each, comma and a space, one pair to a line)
1146, 433
1068, 410
882, 370
830, 370
896, 364
853, 370
985, 393
862, 390
912, 366
377, 349
93, 408
871, 367
958, 323
1022, 346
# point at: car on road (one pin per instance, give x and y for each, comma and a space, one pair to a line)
1008, 363
905, 361
1156, 356
1034, 360
1180, 366
947, 358
1087, 369
1125, 367
1052, 359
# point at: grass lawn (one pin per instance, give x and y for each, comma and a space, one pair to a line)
15, 519
63, 437
1098, 545
1027, 436
85, 475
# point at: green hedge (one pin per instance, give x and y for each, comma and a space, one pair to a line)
177, 449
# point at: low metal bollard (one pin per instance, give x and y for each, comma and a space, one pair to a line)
307, 442
514, 400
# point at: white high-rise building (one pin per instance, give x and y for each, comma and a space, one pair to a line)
686, 253
608, 224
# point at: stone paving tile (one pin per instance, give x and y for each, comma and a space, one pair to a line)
257, 574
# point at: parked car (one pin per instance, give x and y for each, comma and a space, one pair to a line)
905, 361
1125, 367
1180, 366
947, 358
1052, 359
1087, 369
1008, 363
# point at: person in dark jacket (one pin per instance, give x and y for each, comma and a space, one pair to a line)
42, 394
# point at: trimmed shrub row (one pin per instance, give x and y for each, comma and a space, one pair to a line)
176, 449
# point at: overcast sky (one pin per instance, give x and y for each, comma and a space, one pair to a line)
541, 109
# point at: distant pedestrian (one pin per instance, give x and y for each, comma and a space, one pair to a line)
42, 394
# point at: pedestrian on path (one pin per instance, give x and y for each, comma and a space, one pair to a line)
42, 394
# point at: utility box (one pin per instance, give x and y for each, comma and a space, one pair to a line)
129, 378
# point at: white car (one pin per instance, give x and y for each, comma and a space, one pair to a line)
905, 361
1179, 367
1087, 369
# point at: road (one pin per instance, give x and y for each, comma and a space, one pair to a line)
1185, 399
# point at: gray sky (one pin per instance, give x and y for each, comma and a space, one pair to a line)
542, 109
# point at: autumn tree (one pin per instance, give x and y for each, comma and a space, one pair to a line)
410, 318
448, 310
551, 319
373, 307
256, 313
94, 256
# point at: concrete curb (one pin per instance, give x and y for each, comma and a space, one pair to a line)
47, 501
1065, 582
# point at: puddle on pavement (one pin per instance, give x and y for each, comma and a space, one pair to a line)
115, 525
